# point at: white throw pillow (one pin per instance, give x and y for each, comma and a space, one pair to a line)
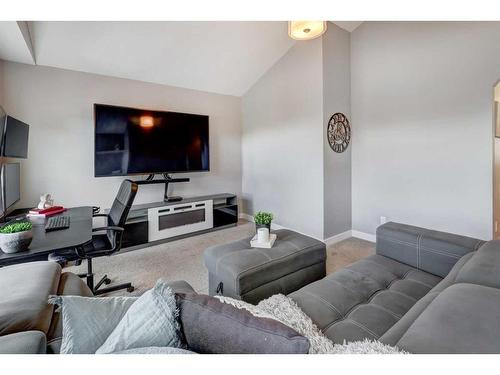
88, 321
151, 321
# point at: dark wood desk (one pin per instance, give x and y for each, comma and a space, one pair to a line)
44, 243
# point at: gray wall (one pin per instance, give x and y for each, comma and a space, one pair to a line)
1, 84
282, 138
58, 105
336, 98
422, 100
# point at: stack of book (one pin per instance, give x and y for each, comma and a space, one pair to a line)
46, 212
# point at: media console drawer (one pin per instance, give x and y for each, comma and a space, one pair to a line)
183, 218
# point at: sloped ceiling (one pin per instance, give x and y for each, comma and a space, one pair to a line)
221, 57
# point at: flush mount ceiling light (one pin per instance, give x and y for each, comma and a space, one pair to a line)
306, 30
146, 121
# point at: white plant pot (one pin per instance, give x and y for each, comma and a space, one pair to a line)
15, 242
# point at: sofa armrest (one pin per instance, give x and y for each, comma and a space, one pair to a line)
27, 342
181, 286
428, 250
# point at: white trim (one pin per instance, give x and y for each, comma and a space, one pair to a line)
364, 236
246, 217
328, 241
275, 226
338, 237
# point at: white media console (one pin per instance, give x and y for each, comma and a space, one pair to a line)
152, 223
179, 219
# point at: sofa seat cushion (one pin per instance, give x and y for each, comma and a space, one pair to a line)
23, 300
393, 335
28, 342
364, 299
461, 319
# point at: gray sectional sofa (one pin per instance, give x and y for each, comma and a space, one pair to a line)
423, 291
410, 293
28, 324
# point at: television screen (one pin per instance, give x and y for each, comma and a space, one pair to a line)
10, 185
132, 141
15, 138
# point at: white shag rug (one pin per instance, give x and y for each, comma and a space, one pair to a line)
286, 311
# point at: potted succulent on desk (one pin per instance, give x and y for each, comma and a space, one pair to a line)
263, 220
16, 237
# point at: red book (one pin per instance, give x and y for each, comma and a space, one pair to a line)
44, 211
47, 212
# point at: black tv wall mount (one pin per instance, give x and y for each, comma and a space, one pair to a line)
167, 179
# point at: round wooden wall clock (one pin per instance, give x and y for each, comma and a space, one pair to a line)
338, 132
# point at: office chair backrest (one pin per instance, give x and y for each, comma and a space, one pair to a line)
119, 210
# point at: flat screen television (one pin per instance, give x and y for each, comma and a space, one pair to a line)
10, 183
130, 141
14, 136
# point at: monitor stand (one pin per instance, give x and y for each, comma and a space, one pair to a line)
167, 179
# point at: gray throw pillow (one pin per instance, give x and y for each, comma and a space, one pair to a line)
155, 350
88, 321
210, 326
152, 321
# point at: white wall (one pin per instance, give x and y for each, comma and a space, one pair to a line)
422, 97
58, 105
336, 98
282, 141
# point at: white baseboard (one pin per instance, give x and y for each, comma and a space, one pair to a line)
338, 237
246, 217
274, 226
364, 236
328, 241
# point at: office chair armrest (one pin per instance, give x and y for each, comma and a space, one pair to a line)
117, 229
100, 215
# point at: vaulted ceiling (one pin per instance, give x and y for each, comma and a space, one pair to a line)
221, 57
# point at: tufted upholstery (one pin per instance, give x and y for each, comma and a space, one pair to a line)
253, 274
364, 299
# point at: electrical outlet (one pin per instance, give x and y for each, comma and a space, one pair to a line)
383, 220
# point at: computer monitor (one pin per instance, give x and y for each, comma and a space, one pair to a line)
3, 122
10, 184
15, 138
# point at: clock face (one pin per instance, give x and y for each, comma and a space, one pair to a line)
338, 132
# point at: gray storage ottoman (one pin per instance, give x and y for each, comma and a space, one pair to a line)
252, 274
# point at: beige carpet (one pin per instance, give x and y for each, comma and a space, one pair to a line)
183, 259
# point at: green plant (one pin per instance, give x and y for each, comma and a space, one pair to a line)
16, 228
263, 218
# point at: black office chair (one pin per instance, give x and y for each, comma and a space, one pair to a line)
107, 242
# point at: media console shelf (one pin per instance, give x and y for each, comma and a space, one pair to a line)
153, 223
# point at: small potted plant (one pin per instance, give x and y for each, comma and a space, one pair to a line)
16, 237
263, 220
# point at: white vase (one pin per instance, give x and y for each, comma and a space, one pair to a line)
15, 242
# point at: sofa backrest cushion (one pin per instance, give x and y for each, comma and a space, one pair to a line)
484, 266
428, 250
461, 319
212, 327
23, 301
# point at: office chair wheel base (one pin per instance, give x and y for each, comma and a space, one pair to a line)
107, 281
130, 289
